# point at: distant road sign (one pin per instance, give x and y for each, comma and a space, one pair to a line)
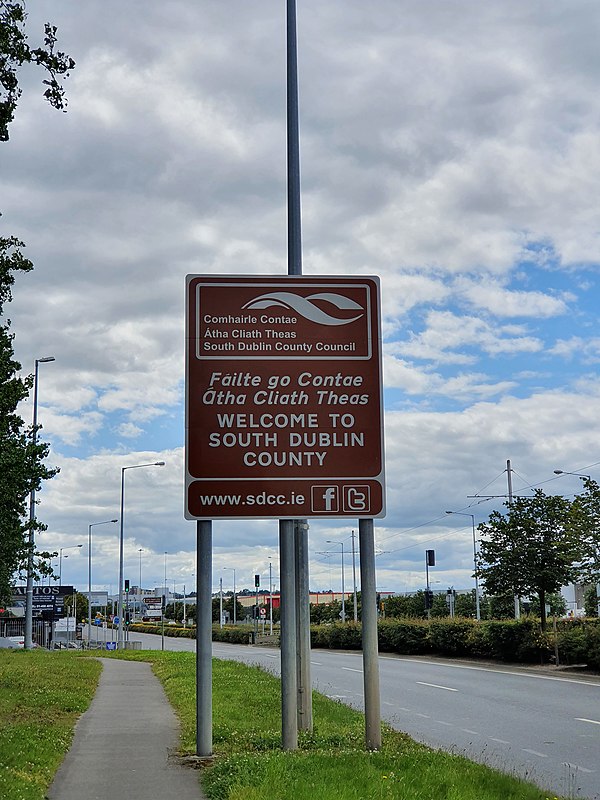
284, 414
116, 620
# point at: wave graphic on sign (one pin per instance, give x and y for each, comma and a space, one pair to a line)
306, 308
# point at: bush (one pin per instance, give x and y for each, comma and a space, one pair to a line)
452, 637
406, 637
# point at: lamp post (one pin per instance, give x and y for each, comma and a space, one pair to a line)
477, 604
92, 525
354, 579
343, 589
234, 595
120, 606
140, 551
164, 607
28, 643
60, 558
270, 597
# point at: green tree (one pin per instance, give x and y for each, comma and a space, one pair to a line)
21, 461
16, 51
590, 601
585, 519
555, 600
532, 549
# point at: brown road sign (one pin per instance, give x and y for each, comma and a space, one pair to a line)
284, 412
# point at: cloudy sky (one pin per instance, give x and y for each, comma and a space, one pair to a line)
450, 148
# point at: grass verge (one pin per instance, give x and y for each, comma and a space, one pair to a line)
331, 763
41, 697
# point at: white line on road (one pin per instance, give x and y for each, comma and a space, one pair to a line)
441, 722
534, 753
490, 669
591, 721
500, 741
317, 663
349, 669
473, 733
436, 686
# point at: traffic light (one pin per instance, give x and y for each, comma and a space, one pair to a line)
127, 618
428, 598
126, 586
257, 581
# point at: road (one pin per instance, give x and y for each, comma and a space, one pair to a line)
544, 727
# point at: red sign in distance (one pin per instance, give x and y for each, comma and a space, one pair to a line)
284, 411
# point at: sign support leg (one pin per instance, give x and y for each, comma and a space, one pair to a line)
289, 719
305, 715
204, 638
369, 634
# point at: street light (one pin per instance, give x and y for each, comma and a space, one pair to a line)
93, 524
477, 605
577, 474
140, 551
343, 591
28, 643
234, 596
60, 558
120, 606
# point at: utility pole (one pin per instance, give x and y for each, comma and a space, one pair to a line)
354, 579
510, 499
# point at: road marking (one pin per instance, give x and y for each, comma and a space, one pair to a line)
577, 767
349, 669
441, 722
591, 721
424, 716
534, 753
317, 663
268, 655
385, 703
500, 741
473, 733
436, 686
490, 669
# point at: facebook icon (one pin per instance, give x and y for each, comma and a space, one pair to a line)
325, 499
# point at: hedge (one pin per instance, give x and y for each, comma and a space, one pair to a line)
517, 641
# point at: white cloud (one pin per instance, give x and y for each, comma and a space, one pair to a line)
449, 148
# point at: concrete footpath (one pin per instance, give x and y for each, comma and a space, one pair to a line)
124, 741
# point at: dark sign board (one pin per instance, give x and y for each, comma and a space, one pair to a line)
284, 412
43, 598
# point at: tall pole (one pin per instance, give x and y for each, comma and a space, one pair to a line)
270, 597
28, 643
289, 716
354, 579
204, 638
140, 551
120, 609
220, 602
304, 689
510, 499
329, 541
369, 635
164, 610
92, 525
300, 531
234, 599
